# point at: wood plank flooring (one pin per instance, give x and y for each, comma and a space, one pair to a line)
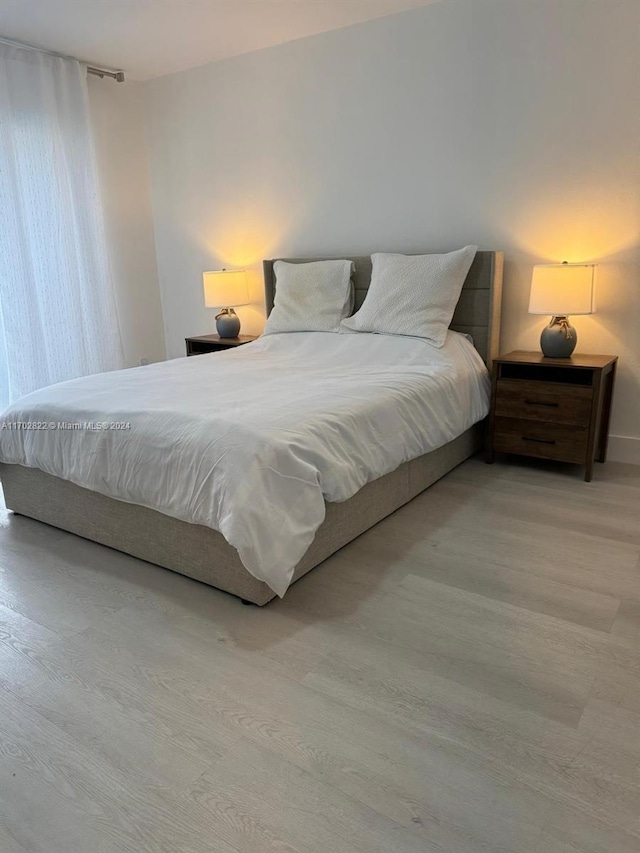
464, 678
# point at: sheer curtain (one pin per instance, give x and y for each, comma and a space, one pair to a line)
58, 315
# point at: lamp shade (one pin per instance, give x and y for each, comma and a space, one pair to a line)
225, 288
563, 289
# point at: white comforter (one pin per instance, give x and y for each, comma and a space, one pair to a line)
252, 441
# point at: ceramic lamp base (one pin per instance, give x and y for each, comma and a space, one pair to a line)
228, 323
558, 339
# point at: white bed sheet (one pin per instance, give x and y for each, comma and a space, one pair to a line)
251, 442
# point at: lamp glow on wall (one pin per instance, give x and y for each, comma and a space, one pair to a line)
223, 289
561, 290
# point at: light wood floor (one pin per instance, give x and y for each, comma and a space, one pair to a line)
463, 678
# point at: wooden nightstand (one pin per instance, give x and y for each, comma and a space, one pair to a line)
552, 408
214, 343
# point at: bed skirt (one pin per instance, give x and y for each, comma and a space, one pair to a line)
201, 553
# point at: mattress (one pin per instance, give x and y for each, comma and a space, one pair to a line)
252, 442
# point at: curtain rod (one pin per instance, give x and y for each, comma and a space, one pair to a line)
118, 76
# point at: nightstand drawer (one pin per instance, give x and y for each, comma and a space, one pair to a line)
197, 348
202, 344
543, 401
546, 440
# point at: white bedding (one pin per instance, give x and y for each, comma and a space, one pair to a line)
252, 441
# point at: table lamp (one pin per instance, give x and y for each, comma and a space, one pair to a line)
560, 290
223, 288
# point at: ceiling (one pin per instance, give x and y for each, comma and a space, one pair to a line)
149, 38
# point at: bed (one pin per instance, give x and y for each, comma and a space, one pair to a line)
200, 552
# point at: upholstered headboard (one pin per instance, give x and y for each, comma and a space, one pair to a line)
477, 312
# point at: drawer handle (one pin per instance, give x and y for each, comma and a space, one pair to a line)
541, 403
538, 440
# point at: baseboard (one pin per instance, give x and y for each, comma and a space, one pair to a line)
624, 448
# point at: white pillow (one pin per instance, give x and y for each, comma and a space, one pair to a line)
413, 294
311, 297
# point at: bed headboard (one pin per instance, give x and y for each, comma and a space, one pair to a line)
478, 309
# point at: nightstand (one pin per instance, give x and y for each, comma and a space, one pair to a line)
214, 343
552, 408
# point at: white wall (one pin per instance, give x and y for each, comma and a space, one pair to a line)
508, 123
118, 120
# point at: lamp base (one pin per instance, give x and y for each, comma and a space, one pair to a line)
228, 323
559, 338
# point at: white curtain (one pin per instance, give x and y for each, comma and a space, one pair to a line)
58, 315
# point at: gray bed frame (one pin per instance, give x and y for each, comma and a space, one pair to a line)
204, 554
